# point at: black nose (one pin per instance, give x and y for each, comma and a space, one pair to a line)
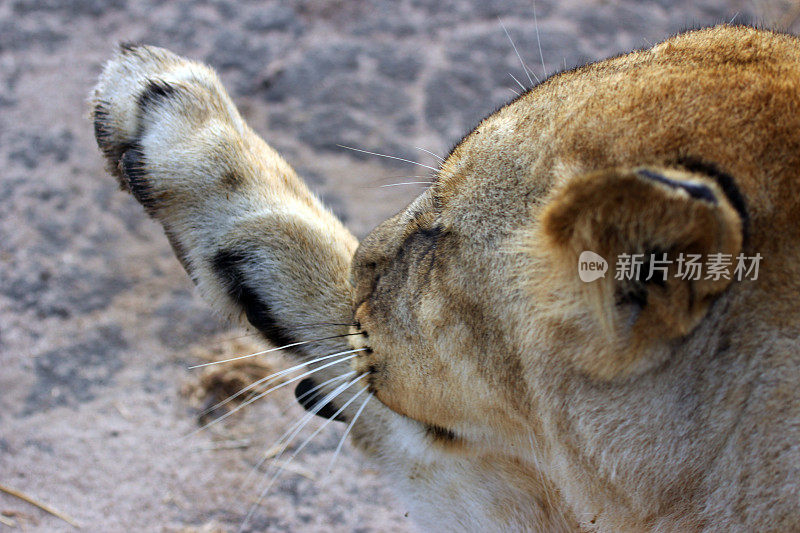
309, 396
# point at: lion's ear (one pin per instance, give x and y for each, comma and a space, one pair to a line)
647, 227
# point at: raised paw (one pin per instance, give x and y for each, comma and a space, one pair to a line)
150, 109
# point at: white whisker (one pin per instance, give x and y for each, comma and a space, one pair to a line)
538, 39
261, 395
270, 350
518, 82
283, 441
272, 377
416, 176
528, 72
315, 389
387, 156
437, 156
319, 406
516, 93
347, 432
328, 421
407, 183
733, 18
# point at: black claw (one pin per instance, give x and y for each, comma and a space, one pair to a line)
127, 47
133, 168
101, 132
155, 91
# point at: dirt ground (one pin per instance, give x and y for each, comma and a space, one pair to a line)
99, 324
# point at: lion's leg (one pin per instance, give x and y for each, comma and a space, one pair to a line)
251, 236
260, 246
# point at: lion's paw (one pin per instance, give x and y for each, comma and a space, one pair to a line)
147, 105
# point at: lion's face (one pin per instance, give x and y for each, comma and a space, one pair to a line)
428, 300
633, 389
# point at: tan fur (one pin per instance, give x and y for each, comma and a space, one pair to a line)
512, 396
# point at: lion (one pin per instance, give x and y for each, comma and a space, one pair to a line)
495, 388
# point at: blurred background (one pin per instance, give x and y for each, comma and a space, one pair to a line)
98, 323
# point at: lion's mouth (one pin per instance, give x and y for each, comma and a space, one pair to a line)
368, 364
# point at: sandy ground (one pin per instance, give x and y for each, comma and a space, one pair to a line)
98, 323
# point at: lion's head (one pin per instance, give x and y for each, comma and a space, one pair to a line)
644, 398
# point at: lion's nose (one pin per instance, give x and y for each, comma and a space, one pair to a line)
373, 256
309, 395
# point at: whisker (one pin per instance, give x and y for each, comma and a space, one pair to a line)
387, 156
518, 82
329, 420
407, 183
340, 389
437, 156
322, 403
315, 389
284, 441
538, 39
528, 72
282, 444
272, 350
347, 432
272, 376
319, 324
401, 177
297, 326
261, 395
